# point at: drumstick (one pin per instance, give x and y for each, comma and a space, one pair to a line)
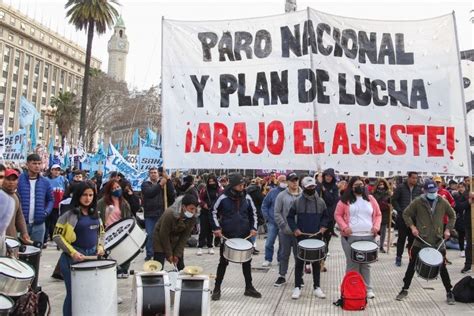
424, 241
90, 257
442, 242
311, 235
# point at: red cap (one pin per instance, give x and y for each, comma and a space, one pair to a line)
10, 172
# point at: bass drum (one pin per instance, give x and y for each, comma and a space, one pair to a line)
6, 305
151, 294
192, 296
428, 264
32, 256
124, 240
15, 276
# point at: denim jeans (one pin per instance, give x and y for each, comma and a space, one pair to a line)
37, 232
65, 262
150, 223
272, 233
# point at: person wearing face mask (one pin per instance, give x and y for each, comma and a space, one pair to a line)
208, 196
174, 229
308, 215
234, 216
268, 211
428, 211
358, 216
382, 193
112, 207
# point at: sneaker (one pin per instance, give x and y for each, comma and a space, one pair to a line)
266, 264
296, 293
216, 294
466, 269
319, 293
307, 268
302, 283
398, 261
57, 276
462, 254
370, 294
382, 250
450, 298
403, 293
199, 252
252, 292
279, 282
255, 252
148, 258
211, 251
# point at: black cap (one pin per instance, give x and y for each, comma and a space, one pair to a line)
292, 176
235, 179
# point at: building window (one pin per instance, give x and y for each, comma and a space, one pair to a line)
30, 44
2, 14
51, 40
59, 45
50, 55
10, 37
20, 41
40, 50
12, 21
32, 31
41, 35
22, 26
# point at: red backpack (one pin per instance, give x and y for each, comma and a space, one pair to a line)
353, 292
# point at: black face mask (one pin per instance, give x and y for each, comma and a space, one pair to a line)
309, 192
381, 190
212, 186
238, 193
359, 190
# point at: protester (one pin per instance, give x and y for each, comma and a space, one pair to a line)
208, 196
78, 177
173, 230
58, 184
329, 192
154, 204
382, 194
36, 198
132, 199
188, 187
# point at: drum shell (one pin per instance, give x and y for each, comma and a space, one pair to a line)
13, 250
97, 287
4, 311
32, 259
311, 254
425, 270
151, 294
237, 255
192, 296
129, 247
13, 286
364, 256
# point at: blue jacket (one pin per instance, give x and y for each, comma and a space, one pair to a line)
268, 205
308, 215
236, 216
43, 197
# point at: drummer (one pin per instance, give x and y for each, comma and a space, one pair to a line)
234, 216
113, 207
428, 211
358, 216
78, 233
174, 229
308, 216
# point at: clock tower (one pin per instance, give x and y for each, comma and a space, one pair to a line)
118, 50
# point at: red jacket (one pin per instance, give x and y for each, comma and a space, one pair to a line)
448, 197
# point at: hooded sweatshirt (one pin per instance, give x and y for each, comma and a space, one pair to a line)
329, 192
268, 205
283, 203
308, 214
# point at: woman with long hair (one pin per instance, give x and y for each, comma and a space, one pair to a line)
78, 232
358, 216
382, 194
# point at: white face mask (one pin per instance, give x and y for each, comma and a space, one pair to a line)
188, 214
431, 196
283, 185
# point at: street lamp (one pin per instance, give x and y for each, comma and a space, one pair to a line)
50, 113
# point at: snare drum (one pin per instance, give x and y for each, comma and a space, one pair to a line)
311, 250
6, 305
428, 263
94, 287
151, 294
364, 251
32, 256
238, 250
13, 247
124, 240
15, 276
192, 296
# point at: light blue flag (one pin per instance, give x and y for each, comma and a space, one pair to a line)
135, 138
125, 152
117, 146
28, 112
33, 135
150, 136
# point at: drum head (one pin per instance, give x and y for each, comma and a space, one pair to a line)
238, 244
30, 250
12, 243
16, 268
5, 302
117, 231
364, 246
93, 264
311, 244
431, 256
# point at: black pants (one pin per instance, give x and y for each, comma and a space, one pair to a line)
411, 269
461, 239
403, 233
205, 233
468, 261
50, 223
160, 257
299, 266
328, 234
223, 263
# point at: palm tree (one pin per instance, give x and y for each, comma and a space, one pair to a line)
66, 112
90, 15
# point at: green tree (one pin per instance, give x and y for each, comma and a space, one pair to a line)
66, 112
91, 16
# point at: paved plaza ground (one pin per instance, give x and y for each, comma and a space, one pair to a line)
425, 298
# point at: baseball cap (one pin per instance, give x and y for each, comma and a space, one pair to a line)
55, 166
292, 176
430, 186
10, 172
307, 182
437, 179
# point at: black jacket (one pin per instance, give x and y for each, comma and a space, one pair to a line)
402, 197
329, 192
257, 197
463, 212
153, 198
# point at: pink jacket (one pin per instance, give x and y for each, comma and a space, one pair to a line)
341, 215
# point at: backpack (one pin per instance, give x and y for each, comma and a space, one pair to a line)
464, 290
33, 303
353, 292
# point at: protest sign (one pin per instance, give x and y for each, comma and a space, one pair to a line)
149, 156
15, 147
309, 90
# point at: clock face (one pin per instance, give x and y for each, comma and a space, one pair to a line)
121, 45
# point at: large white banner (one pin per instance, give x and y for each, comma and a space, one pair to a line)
309, 90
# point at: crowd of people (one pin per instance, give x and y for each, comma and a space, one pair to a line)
71, 210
